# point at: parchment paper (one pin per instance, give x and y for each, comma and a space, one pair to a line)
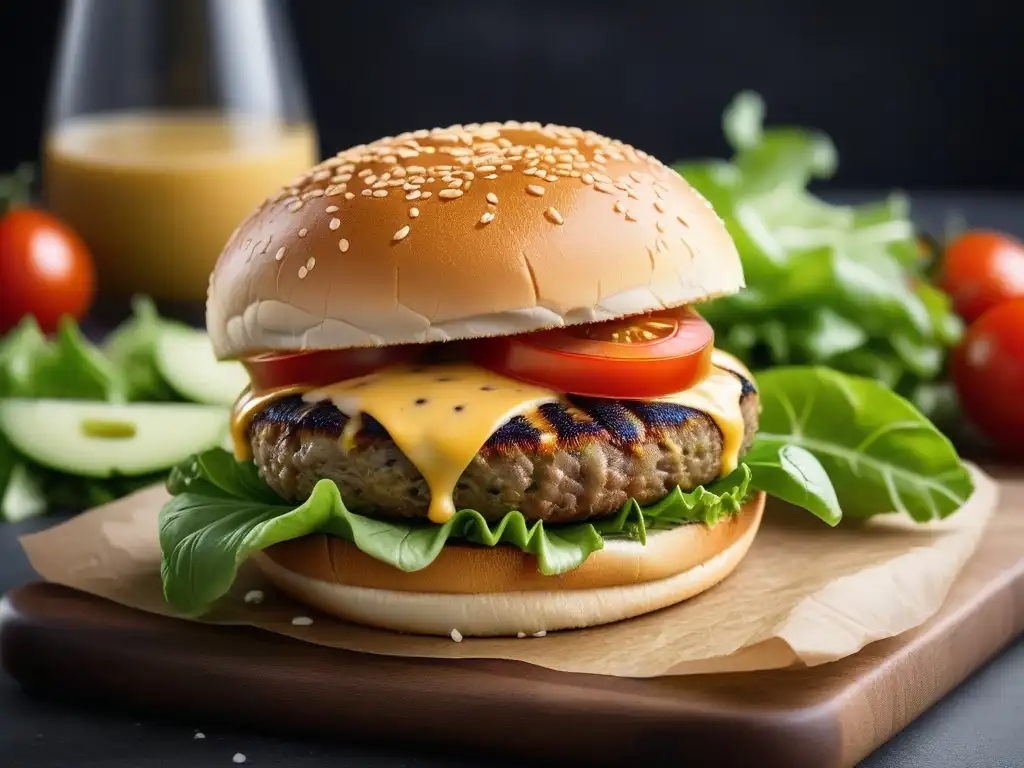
806, 594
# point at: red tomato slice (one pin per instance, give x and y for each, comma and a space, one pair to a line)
988, 370
634, 357
322, 366
982, 269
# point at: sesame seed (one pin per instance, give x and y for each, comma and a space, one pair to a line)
636, 176
455, 183
331, 208
506, 167
630, 216
659, 226
366, 192
485, 168
450, 194
608, 189
551, 177
199, 735
343, 245
574, 174
619, 207
365, 172
238, 758
402, 233
414, 212
426, 195
602, 178
301, 621
413, 195
520, 635
456, 636
293, 207
534, 189
313, 193
335, 223
280, 253
311, 262
588, 178
371, 179
662, 245
659, 193
542, 633
492, 198
682, 221
349, 195
380, 193
491, 176
529, 171
554, 216
487, 218
660, 206
302, 276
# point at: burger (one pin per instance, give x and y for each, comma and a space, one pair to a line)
482, 398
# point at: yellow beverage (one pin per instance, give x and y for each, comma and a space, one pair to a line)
156, 196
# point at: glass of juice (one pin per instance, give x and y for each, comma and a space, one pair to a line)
169, 121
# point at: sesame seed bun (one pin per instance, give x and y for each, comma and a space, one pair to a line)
466, 232
496, 591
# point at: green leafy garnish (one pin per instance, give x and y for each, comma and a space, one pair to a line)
880, 453
222, 512
844, 286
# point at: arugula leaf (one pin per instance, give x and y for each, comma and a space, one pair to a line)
132, 347
221, 512
66, 367
879, 451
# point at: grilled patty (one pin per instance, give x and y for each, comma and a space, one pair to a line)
604, 452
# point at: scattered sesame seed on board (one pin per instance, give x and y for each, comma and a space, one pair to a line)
456, 636
450, 194
520, 635
238, 758
535, 189
542, 633
487, 218
280, 254
492, 198
302, 621
335, 223
554, 216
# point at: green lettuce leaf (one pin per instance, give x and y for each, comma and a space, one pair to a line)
132, 348
880, 453
824, 281
794, 474
67, 366
221, 512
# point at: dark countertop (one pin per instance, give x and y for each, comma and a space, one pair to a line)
978, 725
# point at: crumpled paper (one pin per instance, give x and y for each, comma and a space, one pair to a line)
806, 594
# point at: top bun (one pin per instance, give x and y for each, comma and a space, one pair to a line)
464, 232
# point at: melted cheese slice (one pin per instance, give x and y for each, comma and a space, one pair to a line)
440, 416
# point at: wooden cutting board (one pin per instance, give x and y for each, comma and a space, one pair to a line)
53, 638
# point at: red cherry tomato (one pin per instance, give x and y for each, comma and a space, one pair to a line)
982, 269
635, 357
320, 367
988, 370
45, 270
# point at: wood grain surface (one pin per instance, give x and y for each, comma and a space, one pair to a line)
53, 638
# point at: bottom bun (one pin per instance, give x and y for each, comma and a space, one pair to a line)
617, 586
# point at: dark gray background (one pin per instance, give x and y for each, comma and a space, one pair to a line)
915, 95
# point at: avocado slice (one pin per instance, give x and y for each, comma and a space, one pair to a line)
185, 359
96, 439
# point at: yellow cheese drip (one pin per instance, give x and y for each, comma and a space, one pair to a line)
248, 405
439, 416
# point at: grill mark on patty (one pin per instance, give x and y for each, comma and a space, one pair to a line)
551, 427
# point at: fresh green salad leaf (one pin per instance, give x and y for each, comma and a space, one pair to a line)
67, 366
221, 512
841, 285
132, 347
880, 452
793, 474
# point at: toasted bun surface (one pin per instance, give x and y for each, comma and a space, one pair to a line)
498, 591
466, 232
